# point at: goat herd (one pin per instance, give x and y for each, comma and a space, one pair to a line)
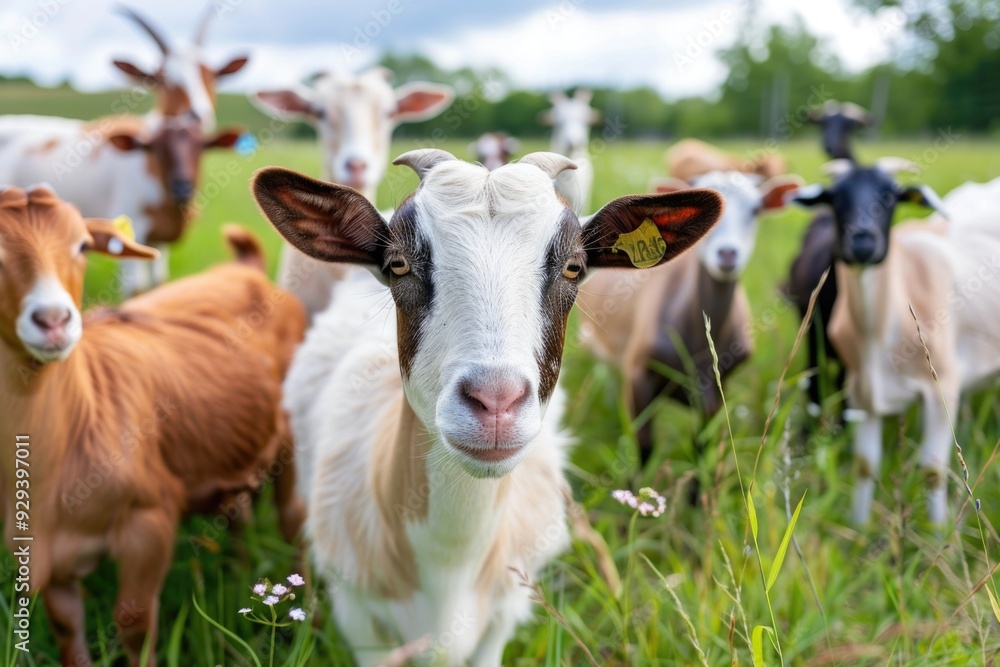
429, 454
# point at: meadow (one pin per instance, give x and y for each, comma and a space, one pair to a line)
694, 582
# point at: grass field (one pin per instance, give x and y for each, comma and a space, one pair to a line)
895, 592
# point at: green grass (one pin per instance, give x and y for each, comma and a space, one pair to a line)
895, 593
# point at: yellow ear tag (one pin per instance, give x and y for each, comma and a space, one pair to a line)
123, 223
644, 246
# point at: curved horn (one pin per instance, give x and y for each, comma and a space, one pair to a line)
855, 112
551, 163
837, 168
423, 160
894, 165
199, 37
130, 13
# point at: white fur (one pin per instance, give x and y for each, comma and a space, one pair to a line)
737, 228
571, 118
355, 123
48, 292
182, 67
345, 386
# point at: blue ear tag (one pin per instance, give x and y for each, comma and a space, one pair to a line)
247, 144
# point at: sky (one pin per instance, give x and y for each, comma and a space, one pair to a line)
539, 44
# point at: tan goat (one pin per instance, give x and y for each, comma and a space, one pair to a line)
161, 407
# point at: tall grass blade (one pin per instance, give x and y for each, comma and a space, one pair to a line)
993, 602
757, 641
779, 557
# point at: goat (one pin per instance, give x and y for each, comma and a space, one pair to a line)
662, 320
183, 81
136, 415
571, 118
837, 120
494, 149
815, 257
690, 158
144, 167
355, 117
931, 267
435, 452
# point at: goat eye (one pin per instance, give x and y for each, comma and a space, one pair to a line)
400, 266
83, 247
572, 270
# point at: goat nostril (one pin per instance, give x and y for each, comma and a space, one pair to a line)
475, 403
52, 318
496, 400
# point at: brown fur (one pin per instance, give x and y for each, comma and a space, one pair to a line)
659, 304
690, 158
127, 433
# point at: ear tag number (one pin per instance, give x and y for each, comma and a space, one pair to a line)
644, 246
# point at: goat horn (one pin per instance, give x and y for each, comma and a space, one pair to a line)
856, 112
130, 13
551, 163
894, 165
836, 168
423, 160
199, 37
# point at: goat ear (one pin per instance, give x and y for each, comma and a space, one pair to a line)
811, 195
329, 222
225, 138
232, 67
776, 192
132, 70
420, 101
107, 238
642, 231
287, 103
128, 142
923, 195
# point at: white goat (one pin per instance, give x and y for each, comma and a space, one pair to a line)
355, 117
428, 485
571, 118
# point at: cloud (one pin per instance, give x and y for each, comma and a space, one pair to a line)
560, 43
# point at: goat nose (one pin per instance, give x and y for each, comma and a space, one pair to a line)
182, 190
51, 318
863, 246
727, 259
356, 167
494, 401
495, 405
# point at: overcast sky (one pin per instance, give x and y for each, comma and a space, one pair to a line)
667, 45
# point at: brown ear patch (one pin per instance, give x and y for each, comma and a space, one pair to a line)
329, 222
640, 231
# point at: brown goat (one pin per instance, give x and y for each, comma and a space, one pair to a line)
690, 158
136, 415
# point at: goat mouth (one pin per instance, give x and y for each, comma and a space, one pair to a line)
489, 454
49, 352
